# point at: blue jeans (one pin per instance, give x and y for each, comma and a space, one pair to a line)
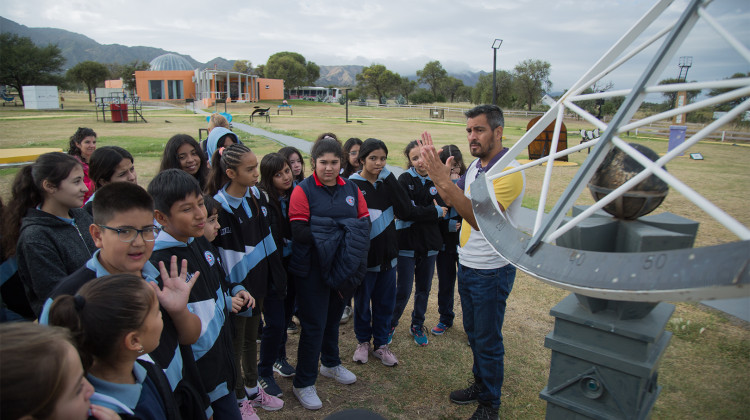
483, 295
380, 289
412, 271
447, 262
320, 309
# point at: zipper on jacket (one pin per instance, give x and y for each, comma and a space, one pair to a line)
81, 236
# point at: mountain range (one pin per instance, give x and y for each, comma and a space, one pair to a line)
76, 48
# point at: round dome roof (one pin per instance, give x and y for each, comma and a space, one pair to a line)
170, 62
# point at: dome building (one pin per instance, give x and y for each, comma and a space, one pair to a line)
171, 77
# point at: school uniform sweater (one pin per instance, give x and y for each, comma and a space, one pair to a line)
248, 251
386, 201
208, 299
419, 238
175, 359
149, 398
49, 249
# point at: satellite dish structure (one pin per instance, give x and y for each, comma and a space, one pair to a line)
712, 272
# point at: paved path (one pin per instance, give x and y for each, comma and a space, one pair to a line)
739, 307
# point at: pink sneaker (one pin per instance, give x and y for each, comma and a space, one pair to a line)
247, 411
384, 354
267, 402
362, 352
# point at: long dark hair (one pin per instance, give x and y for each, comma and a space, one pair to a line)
104, 161
229, 159
102, 312
453, 150
269, 166
347, 167
169, 160
287, 152
77, 138
412, 144
27, 192
369, 146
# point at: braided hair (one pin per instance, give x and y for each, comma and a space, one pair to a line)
229, 158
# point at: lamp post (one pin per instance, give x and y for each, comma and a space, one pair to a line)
495, 46
346, 98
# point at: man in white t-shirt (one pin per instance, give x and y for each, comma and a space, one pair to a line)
485, 279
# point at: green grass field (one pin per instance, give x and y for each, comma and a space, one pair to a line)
705, 372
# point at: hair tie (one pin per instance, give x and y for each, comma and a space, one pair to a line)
79, 302
221, 151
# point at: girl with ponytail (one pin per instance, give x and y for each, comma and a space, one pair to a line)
114, 320
246, 225
45, 228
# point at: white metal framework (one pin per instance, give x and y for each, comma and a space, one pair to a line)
547, 228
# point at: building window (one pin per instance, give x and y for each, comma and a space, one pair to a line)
156, 89
175, 89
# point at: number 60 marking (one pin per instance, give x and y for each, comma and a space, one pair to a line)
655, 261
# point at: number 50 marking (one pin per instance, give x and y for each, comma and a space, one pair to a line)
655, 261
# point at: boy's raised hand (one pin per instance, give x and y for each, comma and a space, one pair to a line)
174, 295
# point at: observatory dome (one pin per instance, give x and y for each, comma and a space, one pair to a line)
170, 62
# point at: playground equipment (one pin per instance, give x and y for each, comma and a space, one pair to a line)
609, 336
121, 107
261, 112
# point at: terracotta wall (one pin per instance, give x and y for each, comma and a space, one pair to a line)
142, 86
270, 89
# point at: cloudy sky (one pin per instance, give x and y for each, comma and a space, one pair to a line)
403, 35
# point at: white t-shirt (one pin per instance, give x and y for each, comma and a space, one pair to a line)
474, 251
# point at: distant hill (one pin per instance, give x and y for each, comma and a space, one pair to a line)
76, 48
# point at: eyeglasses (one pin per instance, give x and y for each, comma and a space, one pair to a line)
128, 234
355, 153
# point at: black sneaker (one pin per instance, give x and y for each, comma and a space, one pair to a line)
466, 395
270, 386
292, 328
485, 412
283, 368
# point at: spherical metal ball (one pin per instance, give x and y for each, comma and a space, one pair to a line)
616, 169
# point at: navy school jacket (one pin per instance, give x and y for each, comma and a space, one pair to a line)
248, 251
386, 201
208, 299
419, 238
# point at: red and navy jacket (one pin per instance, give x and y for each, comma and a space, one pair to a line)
248, 251
312, 198
386, 201
419, 238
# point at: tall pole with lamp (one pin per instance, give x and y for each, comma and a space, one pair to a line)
495, 46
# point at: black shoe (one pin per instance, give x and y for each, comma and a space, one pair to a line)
292, 328
485, 412
466, 395
283, 368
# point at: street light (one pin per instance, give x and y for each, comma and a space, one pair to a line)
495, 46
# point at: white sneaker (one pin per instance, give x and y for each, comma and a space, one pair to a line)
339, 373
346, 314
362, 352
308, 397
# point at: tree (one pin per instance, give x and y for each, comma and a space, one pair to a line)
242, 66
482, 92
406, 87
531, 79
450, 87
127, 74
24, 64
90, 73
433, 74
730, 104
670, 98
377, 80
422, 96
293, 68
